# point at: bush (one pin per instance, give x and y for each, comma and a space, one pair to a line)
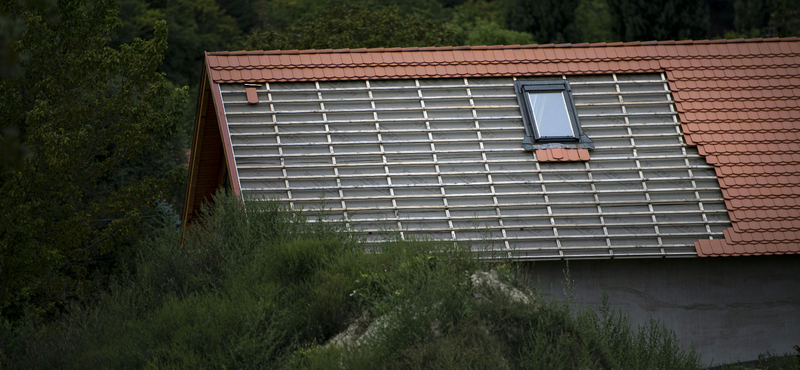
267, 289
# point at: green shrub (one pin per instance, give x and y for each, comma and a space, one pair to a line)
264, 288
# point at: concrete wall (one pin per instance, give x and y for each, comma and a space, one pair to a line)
731, 308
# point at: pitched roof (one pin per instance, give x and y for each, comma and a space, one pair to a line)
737, 101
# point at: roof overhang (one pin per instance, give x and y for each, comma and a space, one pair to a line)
212, 153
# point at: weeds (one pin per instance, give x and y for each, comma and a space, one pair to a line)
768, 361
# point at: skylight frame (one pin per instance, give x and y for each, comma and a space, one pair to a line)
534, 139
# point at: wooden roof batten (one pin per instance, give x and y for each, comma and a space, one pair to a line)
737, 101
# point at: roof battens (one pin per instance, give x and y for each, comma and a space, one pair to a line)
737, 101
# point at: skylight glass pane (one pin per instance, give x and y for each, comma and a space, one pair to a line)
550, 114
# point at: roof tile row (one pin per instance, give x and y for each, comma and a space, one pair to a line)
751, 94
746, 170
771, 215
752, 139
739, 83
728, 116
754, 127
245, 75
562, 155
737, 101
740, 105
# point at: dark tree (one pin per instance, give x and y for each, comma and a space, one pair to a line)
643, 20
767, 18
721, 16
194, 26
88, 114
752, 14
355, 27
549, 21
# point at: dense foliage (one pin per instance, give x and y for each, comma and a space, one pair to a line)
271, 291
355, 27
92, 151
635, 20
95, 122
549, 21
195, 26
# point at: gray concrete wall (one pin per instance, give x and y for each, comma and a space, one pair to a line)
731, 308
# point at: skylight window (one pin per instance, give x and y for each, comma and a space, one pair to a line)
548, 112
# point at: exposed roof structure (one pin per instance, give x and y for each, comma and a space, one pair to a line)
738, 101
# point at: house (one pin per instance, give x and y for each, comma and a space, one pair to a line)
630, 160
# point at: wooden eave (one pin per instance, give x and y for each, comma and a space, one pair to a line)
212, 153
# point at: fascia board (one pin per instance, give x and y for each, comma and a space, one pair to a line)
227, 146
194, 159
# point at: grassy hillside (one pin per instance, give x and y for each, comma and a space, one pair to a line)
271, 291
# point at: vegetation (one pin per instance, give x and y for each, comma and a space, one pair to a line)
95, 121
354, 27
767, 362
633, 20
549, 21
271, 290
93, 136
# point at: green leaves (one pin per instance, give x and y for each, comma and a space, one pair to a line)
355, 27
195, 26
549, 21
88, 114
633, 20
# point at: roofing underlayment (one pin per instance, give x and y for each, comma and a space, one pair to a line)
737, 101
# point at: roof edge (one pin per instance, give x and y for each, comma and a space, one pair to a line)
194, 158
222, 122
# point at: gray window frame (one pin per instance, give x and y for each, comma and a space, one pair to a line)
532, 139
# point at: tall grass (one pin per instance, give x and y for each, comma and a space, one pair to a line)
268, 290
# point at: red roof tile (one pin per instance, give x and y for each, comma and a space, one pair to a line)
252, 95
562, 155
737, 101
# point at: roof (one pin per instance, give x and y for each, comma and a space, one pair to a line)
737, 102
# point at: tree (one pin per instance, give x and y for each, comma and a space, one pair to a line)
752, 15
640, 20
12, 152
549, 21
245, 12
195, 26
594, 21
486, 32
354, 27
478, 22
785, 19
87, 112
766, 18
